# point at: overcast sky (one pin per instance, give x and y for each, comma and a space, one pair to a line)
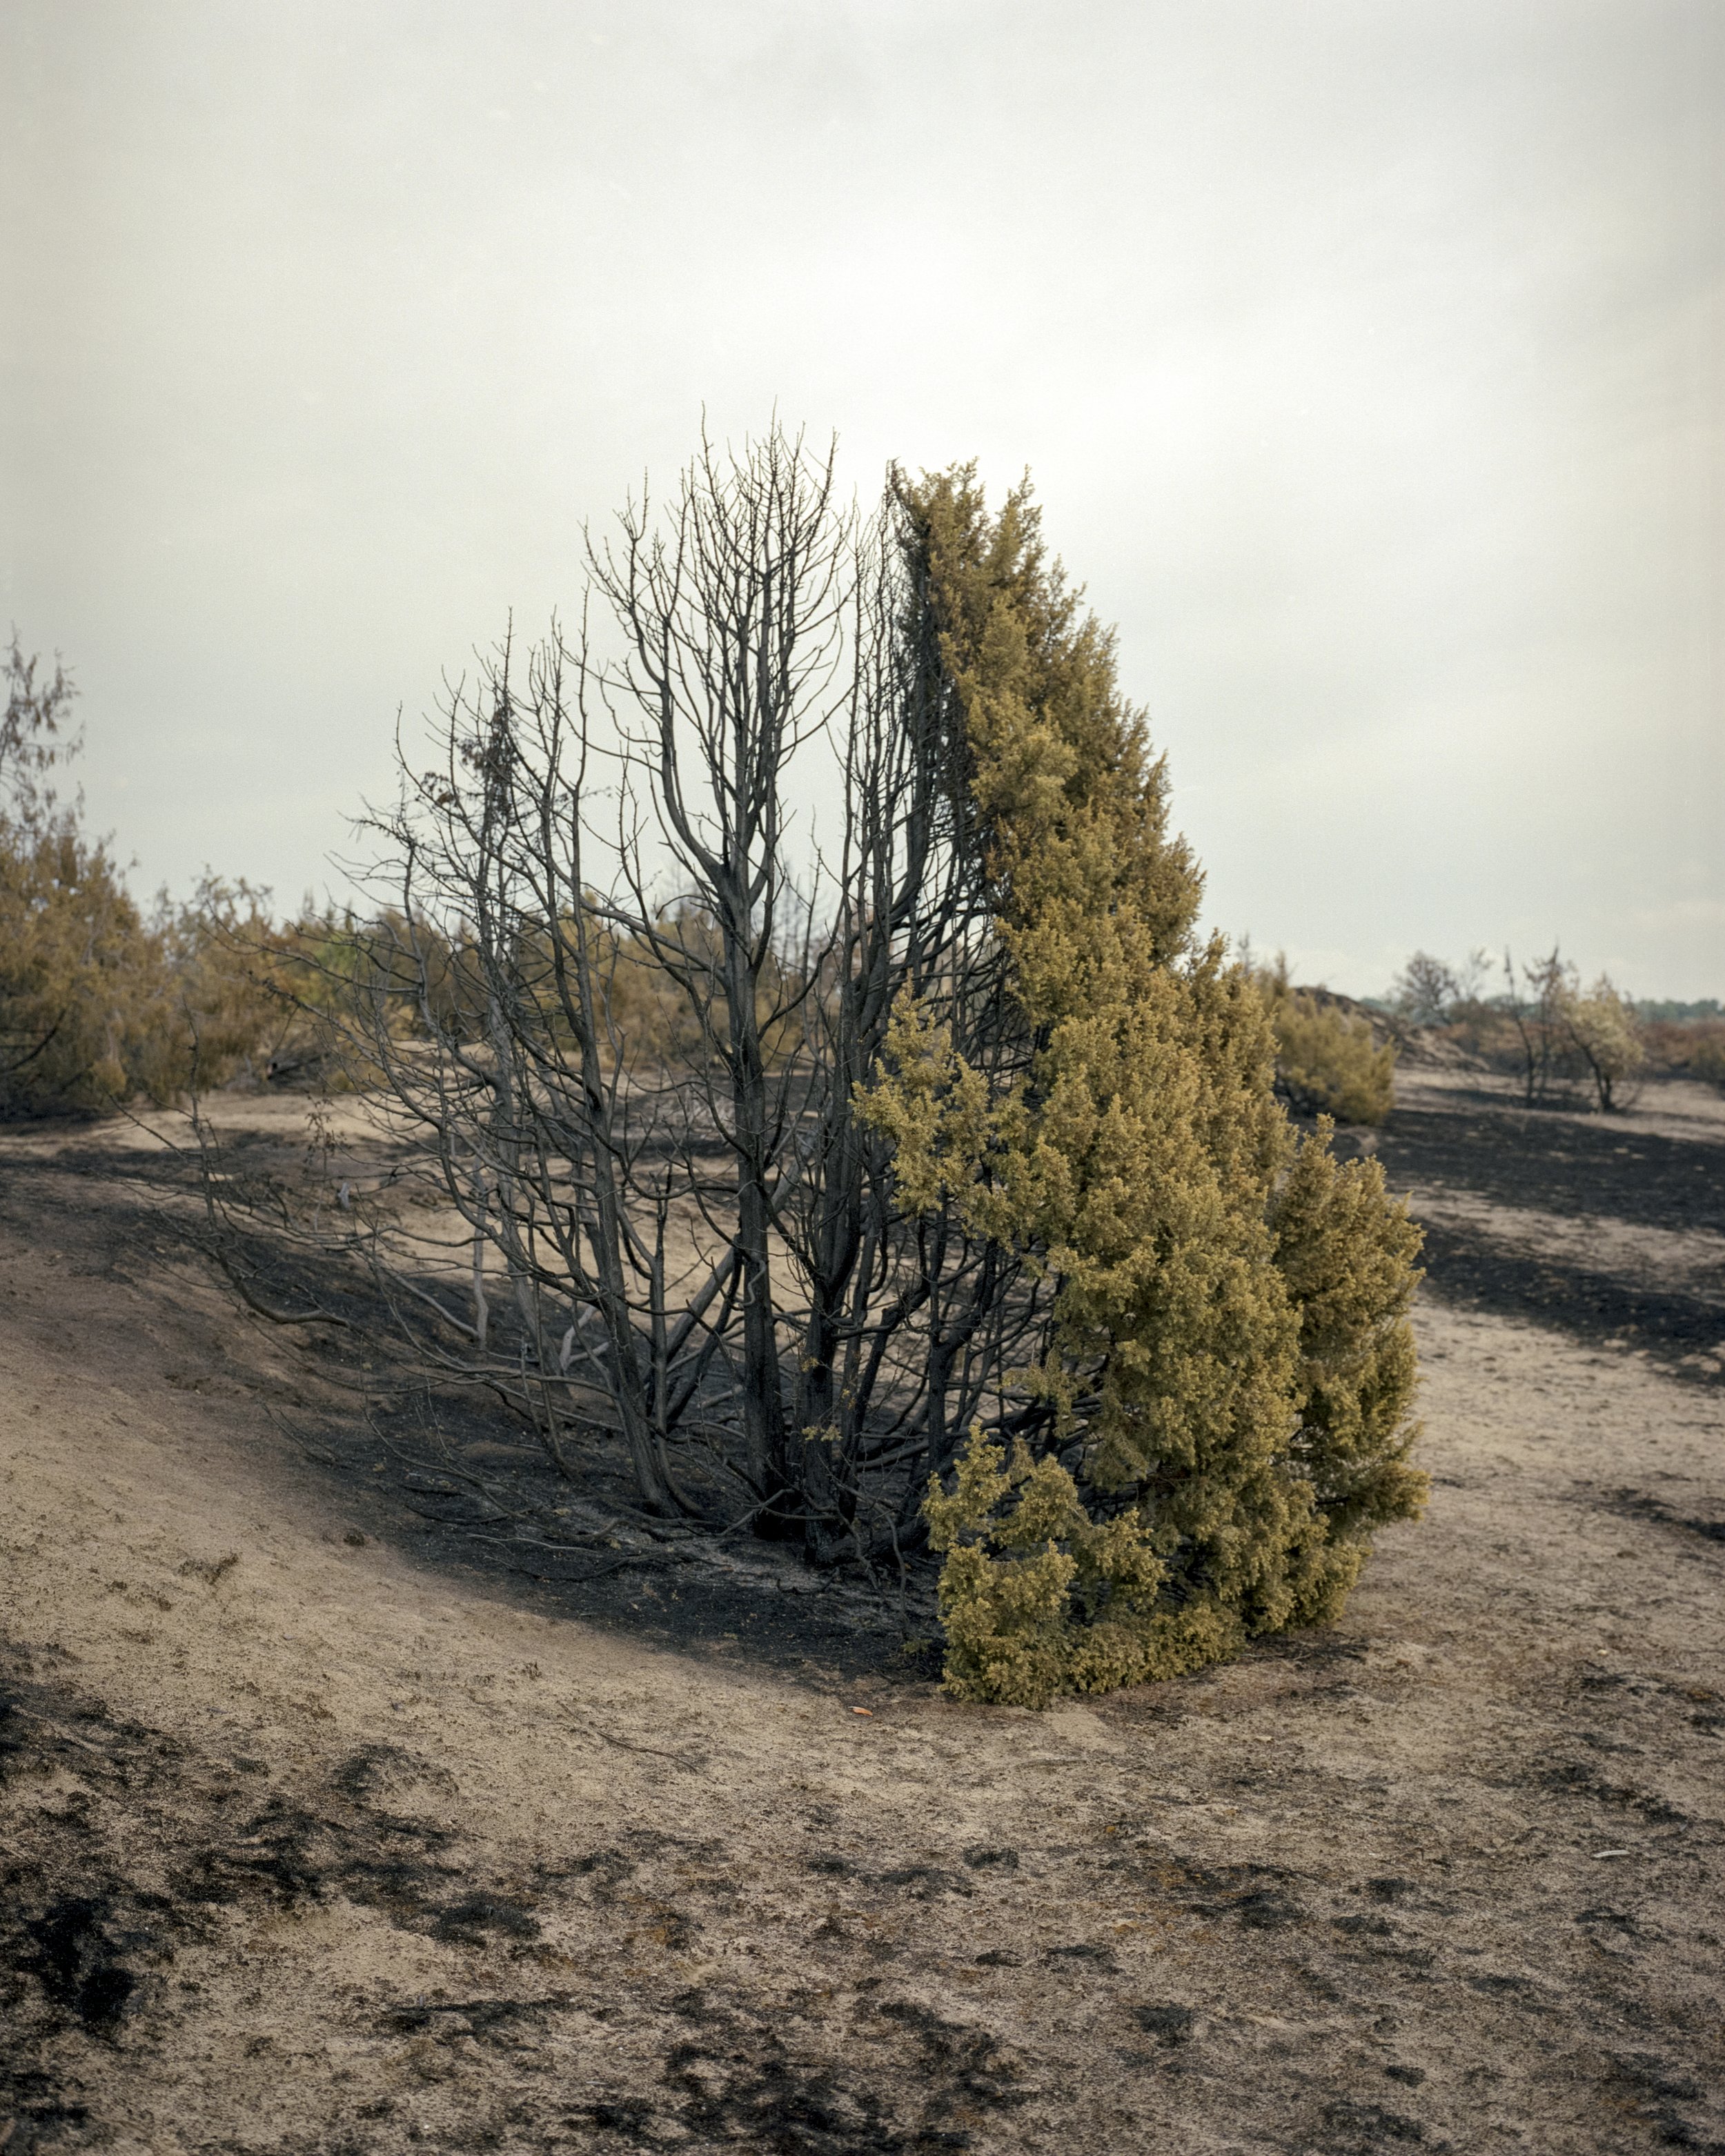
1368, 356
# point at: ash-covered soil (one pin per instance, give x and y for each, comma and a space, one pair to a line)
1611, 1229
326, 1828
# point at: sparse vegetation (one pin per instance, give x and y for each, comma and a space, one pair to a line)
1607, 1036
1557, 1037
98, 1002
929, 1204
1113, 1361
1429, 991
1692, 1047
80, 972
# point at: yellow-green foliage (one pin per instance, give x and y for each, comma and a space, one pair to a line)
1347, 1255
1036, 1597
98, 1005
1325, 1059
80, 974
1610, 1037
1229, 1369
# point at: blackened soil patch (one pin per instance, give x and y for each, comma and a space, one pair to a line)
1581, 1167
477, 1916
1484, 1145
1171, 2024
1255, 1895
507, 1519
1479, 1273
481, 2017
1577, 1779
79, 1963
1357, 2129
777, 2103
1640, 1505
904, 2080
135, 1850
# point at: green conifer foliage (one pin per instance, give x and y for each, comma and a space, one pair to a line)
1228, 1371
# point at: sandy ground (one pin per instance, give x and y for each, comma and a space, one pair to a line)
313, 1839
1606, 1228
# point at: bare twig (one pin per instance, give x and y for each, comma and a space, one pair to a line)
689, 1765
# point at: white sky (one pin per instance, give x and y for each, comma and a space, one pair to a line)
1368, 355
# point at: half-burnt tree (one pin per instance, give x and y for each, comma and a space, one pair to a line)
791, 981
647, 986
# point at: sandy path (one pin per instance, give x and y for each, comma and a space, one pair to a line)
306, 1846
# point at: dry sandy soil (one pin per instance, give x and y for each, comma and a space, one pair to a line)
321, 1831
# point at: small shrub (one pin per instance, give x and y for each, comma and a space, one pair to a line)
1327, 1060
1706, 1059
82, 977
1607, 1036
1686, 1047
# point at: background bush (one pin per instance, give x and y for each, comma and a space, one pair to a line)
1327, 1061
1556, 1037
81, 976
99, 1003
84, 983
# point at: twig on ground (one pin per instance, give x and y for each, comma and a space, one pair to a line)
689, 1765
628, 1560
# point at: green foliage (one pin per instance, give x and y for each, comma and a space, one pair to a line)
1220, 1416
80, 974
1326, 1061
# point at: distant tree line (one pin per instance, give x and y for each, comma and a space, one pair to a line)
1536, 1018
1708, 1010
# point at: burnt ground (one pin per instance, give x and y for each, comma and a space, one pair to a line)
1609, 1228
325, 1827
463, 1485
